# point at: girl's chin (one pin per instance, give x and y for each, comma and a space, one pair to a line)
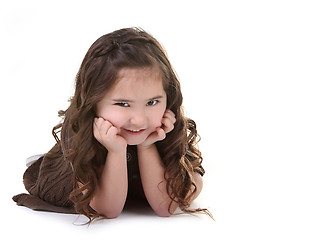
133, 143
135, 140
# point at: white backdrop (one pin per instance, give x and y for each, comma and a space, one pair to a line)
253, 77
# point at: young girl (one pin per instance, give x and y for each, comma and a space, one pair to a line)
124, 134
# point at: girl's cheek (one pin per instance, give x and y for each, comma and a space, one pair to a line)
158, 119
116, 120
112, 116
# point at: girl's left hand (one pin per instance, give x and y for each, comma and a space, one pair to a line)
168, 121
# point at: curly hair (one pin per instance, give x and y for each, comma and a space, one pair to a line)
125, 48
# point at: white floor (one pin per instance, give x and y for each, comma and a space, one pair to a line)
133, 224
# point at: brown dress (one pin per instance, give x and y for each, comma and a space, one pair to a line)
49, 182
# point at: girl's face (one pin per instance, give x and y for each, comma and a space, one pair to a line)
135, 104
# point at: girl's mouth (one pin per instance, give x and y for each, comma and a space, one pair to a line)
134, 132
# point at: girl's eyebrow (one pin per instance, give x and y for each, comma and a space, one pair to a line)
127, 100
121, 100
156, 97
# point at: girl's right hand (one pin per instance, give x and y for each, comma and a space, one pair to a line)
106, 134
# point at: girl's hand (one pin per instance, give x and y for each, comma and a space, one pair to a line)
168, 121
106, 134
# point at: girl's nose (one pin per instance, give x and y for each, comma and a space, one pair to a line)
138, 118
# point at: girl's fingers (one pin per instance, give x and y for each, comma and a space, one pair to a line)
168, 121
105, 126
101, 127
161, 134
107, 134
168, 125
170, 115
112, 131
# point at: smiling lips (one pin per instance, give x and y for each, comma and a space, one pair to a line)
134, 132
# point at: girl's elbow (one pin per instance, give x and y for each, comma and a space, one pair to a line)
162, 212
108, 212
112, 214
165, 211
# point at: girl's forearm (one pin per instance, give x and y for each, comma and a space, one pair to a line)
152, 177
111, 193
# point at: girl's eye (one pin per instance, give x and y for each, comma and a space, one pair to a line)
122, 104
152, 102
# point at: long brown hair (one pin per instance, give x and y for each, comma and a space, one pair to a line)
132, 48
